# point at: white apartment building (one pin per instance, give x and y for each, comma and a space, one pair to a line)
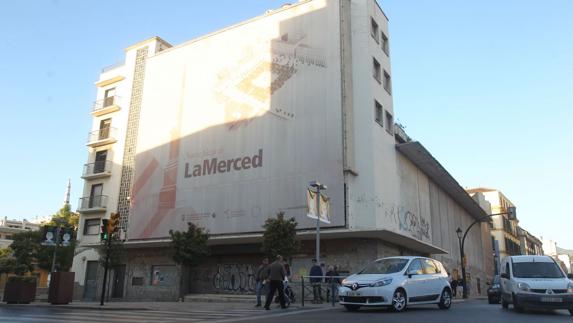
228, 129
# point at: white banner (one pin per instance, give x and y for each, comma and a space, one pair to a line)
324, 206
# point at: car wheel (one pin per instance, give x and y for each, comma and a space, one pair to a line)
504, 304
352, 308
445, 299
490, 300
518, 308
571, 312
399, 300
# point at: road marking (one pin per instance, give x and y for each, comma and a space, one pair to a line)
264, 316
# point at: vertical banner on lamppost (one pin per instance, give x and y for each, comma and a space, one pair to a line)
324, 206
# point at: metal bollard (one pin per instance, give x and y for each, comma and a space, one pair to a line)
302, 296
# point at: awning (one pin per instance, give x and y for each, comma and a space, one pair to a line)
325, 234
422, 158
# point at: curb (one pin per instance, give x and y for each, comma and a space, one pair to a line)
80, 307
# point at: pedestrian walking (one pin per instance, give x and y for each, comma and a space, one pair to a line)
316, 276
260, 277
276, 276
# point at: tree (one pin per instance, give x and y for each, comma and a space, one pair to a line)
7, 261
29, 251
66, 217
279, 237
24, 248
190, 247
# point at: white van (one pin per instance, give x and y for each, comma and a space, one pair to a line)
535, 282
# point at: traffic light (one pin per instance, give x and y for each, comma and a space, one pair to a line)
113, 224
104, 235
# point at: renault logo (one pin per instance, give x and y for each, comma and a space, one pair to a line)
354, 286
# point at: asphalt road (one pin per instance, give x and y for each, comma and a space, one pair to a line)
471, 311
478, 311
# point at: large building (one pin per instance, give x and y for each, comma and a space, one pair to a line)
228, 129
504, 230
10, 227
529, 244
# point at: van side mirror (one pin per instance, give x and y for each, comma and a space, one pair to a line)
570, 276
504, 275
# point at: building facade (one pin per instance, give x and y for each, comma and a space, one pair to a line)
504, 230
529, 244
228, 129
10, 227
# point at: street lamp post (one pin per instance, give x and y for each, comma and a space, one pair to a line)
318, 186
462, 256
462, 239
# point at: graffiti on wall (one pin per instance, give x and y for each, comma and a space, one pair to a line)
409, 222
238, 278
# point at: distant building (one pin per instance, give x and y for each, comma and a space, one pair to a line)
563, 256
10, 227
503, 229
529, 244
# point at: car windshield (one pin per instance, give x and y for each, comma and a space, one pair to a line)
385, 266
536, 270
495, 280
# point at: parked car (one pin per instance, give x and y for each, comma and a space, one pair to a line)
494, 291
535, 282
397, 282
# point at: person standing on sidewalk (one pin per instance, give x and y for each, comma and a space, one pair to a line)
315, 280
260, 277
277, 274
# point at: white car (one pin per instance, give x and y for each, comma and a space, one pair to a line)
397, 282
535, 282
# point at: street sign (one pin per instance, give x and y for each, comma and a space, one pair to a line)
324, 206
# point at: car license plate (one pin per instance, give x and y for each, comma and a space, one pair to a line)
552, 299
353, 293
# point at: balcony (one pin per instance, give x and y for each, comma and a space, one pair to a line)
99, 169
92, 204
105, 106
103, 136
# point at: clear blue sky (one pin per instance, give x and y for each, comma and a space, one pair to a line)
486, 86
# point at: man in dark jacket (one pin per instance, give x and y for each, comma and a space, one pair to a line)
316, 276
260, 277
277, 274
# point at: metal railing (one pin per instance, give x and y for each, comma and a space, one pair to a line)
105, 102
102, 134
98, 167
112, 66
315, 285
92, 202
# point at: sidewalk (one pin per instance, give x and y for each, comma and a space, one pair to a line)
192, 302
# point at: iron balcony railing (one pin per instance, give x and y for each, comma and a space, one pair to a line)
99, 167
105, 102
112, 66
93, 202
102, 134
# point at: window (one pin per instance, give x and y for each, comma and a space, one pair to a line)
415, 267
389, 122
374, 29
95, 196
387, 82
385, 44
109, 96
376, 70
385, 266
91, 226
99, 164
378, 115
429, 267
104, 126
